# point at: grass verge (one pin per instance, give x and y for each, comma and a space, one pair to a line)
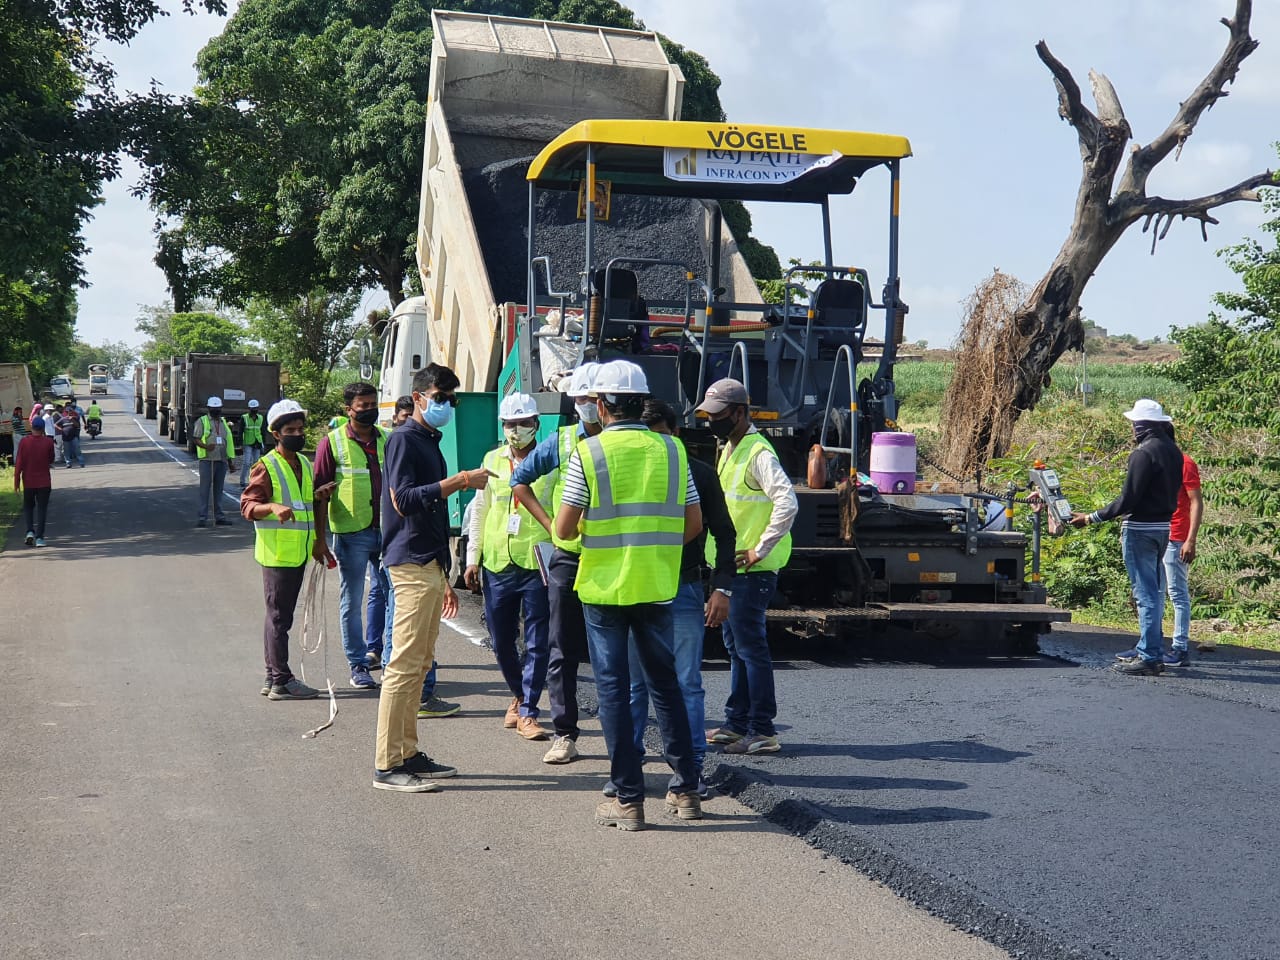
10, 504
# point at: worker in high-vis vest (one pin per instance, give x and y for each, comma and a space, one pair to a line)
630, 494
762, 503
352, 455
502, 541
215, 455
287, 510
250, 441
568, 634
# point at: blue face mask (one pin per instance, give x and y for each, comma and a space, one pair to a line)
437, 414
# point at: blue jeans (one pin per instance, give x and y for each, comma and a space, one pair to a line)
356, 553
688, 619
71, 450
506, 594
611, 631
1175, 572
378, 611
752, 705
429, 681
1143, 552
249, 455
213, 474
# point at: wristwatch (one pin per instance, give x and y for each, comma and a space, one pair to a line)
727, 593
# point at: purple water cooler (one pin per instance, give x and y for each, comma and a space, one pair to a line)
893, 462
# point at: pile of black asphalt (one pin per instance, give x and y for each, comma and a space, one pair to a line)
1051, 806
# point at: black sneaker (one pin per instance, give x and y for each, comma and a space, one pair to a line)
423, 766
401, 780
1139, 668
1177, 657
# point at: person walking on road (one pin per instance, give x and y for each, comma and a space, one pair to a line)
282, 501
631, 491
250, 441
762, 503
415, 535
216, 454
1147, 501
503, 538
1184, 527
69, 424
352, 456
567, 647
54, 413
31, 475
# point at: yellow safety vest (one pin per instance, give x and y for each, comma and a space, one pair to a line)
499, 548
94, 412
204, 430
252, 429
351, 506
749, 508
567, 437
633, 527
286, 544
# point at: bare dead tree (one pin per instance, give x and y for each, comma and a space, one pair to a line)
1046, 322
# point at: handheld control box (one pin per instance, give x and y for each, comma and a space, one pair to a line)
1046, 484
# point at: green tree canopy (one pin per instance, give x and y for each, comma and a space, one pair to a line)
175, 334
117, 357
316, 328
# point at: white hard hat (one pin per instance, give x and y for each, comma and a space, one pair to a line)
281, 409
215, 403
253, 404
1148, 410
619, 377
579, 383
518, 406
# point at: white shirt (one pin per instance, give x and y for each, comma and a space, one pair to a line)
765, 473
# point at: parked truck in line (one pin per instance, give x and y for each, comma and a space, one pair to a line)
235, 379
15, 391
98, 376
145, 389
177, 397
162, 390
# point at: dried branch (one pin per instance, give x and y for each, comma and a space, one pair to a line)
1109, 110
1210, 90
1161, 211
1070, 105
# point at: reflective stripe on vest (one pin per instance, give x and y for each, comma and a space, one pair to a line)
749, 508
567, 438
633, 528
286, 544
204, 430
252, 436
351, 506
498, 548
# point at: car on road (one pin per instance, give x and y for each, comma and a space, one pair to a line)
62, 387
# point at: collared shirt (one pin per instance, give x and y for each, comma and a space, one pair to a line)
326, 468
765, 473
418, 531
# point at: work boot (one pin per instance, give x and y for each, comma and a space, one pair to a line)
563, 750
513, 715
530, 728
624, 816
685, 806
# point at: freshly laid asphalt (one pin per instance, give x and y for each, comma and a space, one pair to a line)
154, 804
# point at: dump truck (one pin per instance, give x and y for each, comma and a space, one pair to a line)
163, 368
145, 390
98, 375
235, 379
15, 391
177, 399
624, 255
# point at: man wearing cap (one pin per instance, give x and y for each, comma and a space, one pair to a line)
630, 494
31, 474
281, 499
1147, 500
502, 538
568, 634
216, 453
762, 503
250, 440
352, 456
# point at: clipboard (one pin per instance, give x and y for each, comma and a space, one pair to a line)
543, 551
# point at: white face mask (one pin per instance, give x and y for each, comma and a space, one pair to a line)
587, 412
521, 436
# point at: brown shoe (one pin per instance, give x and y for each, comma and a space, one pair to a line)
530, 728
513, 715
624, 816
686, 806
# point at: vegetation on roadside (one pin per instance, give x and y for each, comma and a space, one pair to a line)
10, 503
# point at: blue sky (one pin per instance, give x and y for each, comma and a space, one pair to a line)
994, 174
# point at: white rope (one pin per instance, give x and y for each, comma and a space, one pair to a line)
313, 624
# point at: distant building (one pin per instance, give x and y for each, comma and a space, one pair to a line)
1095, 333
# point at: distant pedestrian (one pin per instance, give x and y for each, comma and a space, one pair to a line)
763, 505
53, 413
1184, 526
69, 424
21, 428
1147, 501
216, 454
250, 441
415, 533
281, 500
31, 474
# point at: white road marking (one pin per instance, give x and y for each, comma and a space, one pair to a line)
477, 640
182, 463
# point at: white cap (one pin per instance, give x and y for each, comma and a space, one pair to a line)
281, 409
1148, 410
253, 404
518, 406
214, 403
579, 383
619, 377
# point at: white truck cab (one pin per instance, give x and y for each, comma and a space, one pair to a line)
405, 351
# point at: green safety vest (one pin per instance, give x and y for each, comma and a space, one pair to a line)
498, 548
351, 506
749, 508
633, 527
252, 430
204, 429
94, 413
567, 437
286, 544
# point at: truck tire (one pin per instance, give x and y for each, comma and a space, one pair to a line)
151, 410
180, 430
164, 423
137, 404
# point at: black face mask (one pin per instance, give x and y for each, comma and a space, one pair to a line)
215, 414
721, 429
366, 418
293, 442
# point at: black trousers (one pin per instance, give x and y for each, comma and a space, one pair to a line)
35, 509
568, 646
280, 586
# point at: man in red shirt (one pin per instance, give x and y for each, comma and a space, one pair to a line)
1178, 557
31, 472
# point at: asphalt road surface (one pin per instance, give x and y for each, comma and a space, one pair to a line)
152, 804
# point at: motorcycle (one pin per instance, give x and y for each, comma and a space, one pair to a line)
93, 428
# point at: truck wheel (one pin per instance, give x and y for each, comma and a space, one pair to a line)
1023, 640
180, 430
137, 404
164, 423
151, 409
